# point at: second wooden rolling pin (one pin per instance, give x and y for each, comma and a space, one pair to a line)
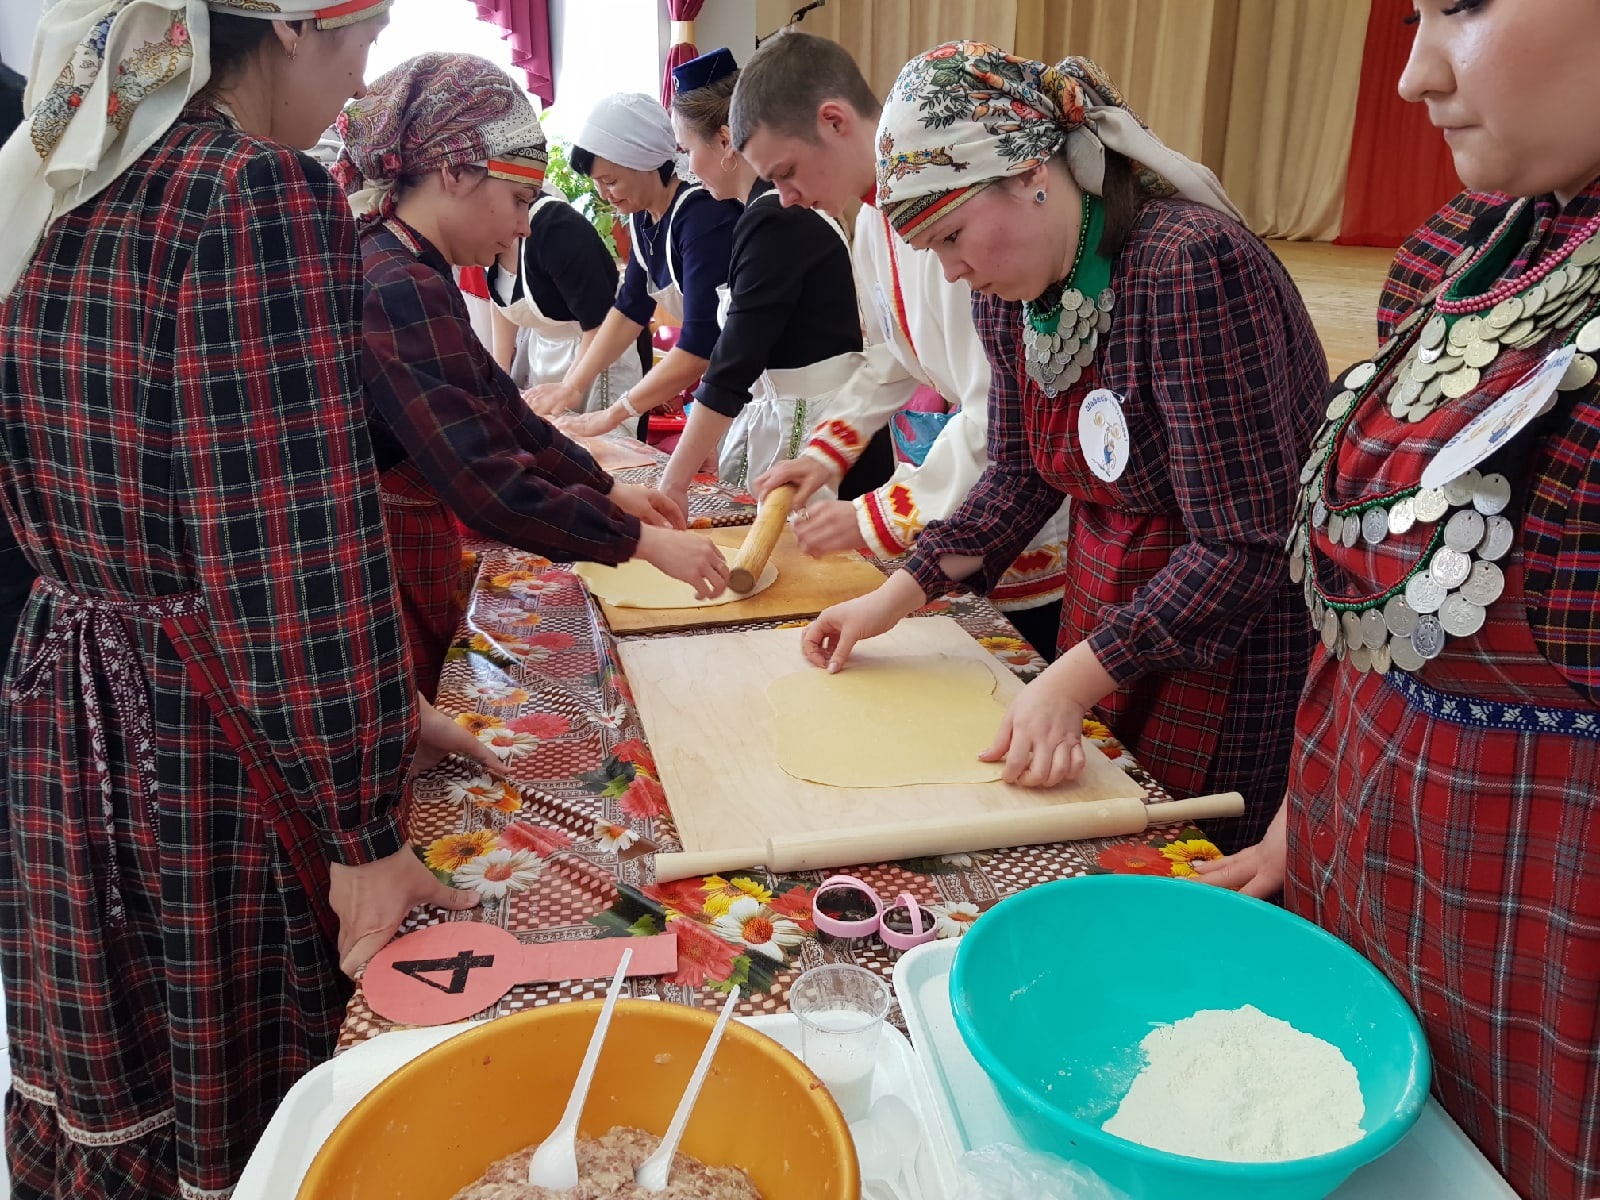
887, 843
763, 536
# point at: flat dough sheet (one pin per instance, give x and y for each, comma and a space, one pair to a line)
888, 722
638, 584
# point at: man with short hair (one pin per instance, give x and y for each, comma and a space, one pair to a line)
804, 117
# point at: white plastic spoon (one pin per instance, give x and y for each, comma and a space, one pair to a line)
879, 1157
555, 1163
653, 1172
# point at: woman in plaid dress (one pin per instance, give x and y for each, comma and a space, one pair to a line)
1441, 814
443, 157
209, 701
1152, 361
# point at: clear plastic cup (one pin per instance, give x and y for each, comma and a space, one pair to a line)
841, 1008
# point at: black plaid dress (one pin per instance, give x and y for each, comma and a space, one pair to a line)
209, 697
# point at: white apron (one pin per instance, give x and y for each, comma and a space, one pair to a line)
785, 405
670, 298
547, 348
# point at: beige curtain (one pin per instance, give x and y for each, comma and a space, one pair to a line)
886, 34
1261, 91
1173, 59
1292, 108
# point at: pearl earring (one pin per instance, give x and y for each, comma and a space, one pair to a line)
1039, 196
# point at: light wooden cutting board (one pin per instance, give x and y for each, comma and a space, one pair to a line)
705, 712
805, 586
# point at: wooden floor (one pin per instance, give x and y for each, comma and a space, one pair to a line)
1340, 285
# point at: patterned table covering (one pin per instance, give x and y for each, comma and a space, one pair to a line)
568, 852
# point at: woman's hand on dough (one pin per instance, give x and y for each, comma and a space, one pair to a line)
1041, 737
828, 640
1257, 870
827, 528
806, 474
550, 399
687, 556
649, 505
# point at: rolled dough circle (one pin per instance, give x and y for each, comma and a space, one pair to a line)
638, 584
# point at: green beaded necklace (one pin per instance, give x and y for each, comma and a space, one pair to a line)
1062, 328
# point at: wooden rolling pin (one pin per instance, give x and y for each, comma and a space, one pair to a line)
1024, 827
763, 536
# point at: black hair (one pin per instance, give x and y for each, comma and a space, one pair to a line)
233, 40
582, 161
1122, 198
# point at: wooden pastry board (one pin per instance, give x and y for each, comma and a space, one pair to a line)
705, 712
804, 588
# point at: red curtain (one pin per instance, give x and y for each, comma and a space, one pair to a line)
1400, 167
680, 52
527, 26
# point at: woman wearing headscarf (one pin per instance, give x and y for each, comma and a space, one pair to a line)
1441, 814
443, 157
682, 244
1151, 360
551, 293
209, 712
791, 331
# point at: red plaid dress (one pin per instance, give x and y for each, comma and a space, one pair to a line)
1444, 824
454, 440
1175, 570
209, 696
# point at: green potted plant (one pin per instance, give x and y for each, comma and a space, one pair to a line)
585, 197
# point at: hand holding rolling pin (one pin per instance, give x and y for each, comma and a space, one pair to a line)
804, 474
820, 527
686, 556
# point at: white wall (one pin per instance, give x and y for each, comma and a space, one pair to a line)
600, 47
730, 23
18, 20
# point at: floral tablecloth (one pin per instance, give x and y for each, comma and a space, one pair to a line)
566, 851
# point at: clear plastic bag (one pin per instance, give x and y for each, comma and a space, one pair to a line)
1012, 1173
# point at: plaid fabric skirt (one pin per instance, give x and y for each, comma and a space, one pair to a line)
1445, 825
1226, 729
426, 543
167, 972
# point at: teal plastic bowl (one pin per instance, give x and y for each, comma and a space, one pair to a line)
1055, 987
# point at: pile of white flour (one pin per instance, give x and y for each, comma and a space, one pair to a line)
1240, 1086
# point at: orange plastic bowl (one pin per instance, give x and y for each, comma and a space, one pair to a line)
437, 1123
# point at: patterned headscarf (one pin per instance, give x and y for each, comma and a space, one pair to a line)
432, 111
108, 78
966, 114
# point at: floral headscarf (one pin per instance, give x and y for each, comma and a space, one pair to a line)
966, 114
108, 78
432, 111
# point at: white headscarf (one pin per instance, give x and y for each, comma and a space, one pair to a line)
631, 130
108, 78
966, 114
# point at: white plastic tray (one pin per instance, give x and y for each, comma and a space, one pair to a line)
1435, 1161
316, 1104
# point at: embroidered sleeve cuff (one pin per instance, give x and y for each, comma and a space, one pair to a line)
380, 838
880, 533
1120, 658
837, 443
